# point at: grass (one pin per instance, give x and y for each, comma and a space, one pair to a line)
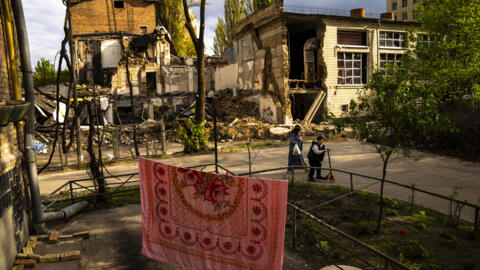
419, 238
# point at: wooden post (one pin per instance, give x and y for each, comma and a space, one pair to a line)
477, 210
351, 182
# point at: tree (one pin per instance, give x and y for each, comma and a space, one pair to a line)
220, 40
254, 5
45, 73
234, 11
199, 49
170, 15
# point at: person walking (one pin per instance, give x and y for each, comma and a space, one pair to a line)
315, 157
295, 158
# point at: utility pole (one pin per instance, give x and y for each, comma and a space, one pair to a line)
73, 60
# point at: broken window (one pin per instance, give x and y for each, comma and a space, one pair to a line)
351, 68
392, 39
151, 83
354, 38
118, 4
387, 59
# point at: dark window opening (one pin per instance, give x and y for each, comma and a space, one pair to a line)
151, 83
296, 45
352, 38
394, 6
404, 16
143, 29
344, 108
404, 3
118, 4
301, 103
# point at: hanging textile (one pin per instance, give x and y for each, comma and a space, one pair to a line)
200, 220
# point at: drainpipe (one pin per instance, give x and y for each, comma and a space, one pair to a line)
30, 163
12, 64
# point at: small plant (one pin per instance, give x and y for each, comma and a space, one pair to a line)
420, 226
413, 250
391, 212
364, 228
455, 208
450, 240
192, 135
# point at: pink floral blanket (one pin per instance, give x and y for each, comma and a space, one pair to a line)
200, 220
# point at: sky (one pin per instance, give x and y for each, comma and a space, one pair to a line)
45, 20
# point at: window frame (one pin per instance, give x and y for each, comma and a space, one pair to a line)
404, 3
404, 16
396, 61
394, 5
347, 65
389, 39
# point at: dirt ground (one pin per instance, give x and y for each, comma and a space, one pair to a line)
115, 243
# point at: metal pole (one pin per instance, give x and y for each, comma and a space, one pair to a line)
215, 137
294, 232
477, 210
71, 191
162, 137
351, 182
412, 201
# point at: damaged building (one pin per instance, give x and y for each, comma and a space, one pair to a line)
305, 62
107, 33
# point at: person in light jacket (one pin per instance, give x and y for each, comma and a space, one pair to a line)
315, 157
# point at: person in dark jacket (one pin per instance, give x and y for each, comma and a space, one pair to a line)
295, 138
315, 157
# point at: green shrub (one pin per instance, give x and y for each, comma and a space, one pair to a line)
420, 226
391, 212
192, 136
450, 240
413, 250
364, 228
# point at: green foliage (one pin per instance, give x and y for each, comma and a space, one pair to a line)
220, 40
192, 135
413, 250
234, 11
170, 15
254, 5
447, 238
364, 228
45, 73
421, 217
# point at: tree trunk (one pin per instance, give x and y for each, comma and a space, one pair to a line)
94, 166
200, 99
384, 174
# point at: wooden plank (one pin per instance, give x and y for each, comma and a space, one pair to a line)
53, 238
315, 106
30, 263
70, 256
50, 258
84, 234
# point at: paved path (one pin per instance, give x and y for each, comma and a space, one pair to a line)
435, 173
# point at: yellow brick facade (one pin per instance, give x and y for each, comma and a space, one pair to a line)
101, 16
341, 95
402, 8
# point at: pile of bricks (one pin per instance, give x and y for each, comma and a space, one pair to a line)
28, 258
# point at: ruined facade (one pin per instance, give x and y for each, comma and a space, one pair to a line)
127, 30
404, 10
13, 204
307, 65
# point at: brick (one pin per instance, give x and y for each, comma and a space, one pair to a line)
29, 263
84, 234
70, 256
53, 238
50, 258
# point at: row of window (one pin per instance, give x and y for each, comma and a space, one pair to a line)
352, 66
404, 4
386, 39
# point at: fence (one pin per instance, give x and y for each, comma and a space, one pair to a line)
323, 11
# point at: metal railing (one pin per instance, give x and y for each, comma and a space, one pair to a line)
323, 11
126, 183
